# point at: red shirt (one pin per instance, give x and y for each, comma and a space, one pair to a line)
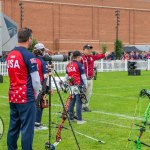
74, 71
42, 68
88, 63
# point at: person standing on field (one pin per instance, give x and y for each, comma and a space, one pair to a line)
87, 60
39, 50
24, 88
77, 79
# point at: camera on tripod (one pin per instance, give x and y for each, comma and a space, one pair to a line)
51, 69
50, 58
132, 68
132, 65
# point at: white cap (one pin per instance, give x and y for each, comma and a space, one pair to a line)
40, 46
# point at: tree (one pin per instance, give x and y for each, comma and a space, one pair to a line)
34, 42
104, 48
118, 49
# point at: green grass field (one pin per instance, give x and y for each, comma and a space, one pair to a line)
113, 102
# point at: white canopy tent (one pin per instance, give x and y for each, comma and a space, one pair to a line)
8, 33
145, 48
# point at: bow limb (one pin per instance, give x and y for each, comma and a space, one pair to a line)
142, 128
64, 117
87, 136
65, 114
146, 114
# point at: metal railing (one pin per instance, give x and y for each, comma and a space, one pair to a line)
3, 69
102, 66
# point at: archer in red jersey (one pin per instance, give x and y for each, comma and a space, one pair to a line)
77, 78
88, 62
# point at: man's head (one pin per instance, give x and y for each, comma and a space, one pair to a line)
25, 37
76, 55
39, 49
87, 49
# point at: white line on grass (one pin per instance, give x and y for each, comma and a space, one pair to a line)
99, 112
4, 104
116, 115
117, 87
116, 96
114, 124
3, 96
56, 105
112, 114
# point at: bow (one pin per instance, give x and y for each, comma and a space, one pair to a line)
64, 116
142, 127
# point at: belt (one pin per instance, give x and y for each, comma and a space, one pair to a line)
89, 78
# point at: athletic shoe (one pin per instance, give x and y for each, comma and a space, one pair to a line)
86, 109
39, 126
81, 122
75, 117
36, 128
73, 120
43, 127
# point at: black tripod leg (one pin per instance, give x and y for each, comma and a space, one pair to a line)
48, 145
57, 75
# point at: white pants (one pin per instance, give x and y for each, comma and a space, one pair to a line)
88, 92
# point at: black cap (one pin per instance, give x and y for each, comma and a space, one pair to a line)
87, 46
76, 53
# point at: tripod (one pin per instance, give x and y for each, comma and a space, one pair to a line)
48, 145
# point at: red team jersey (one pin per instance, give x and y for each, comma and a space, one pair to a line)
88, 63
20, 63
74, 71
42, 67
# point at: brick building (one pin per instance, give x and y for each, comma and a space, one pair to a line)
68, 24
